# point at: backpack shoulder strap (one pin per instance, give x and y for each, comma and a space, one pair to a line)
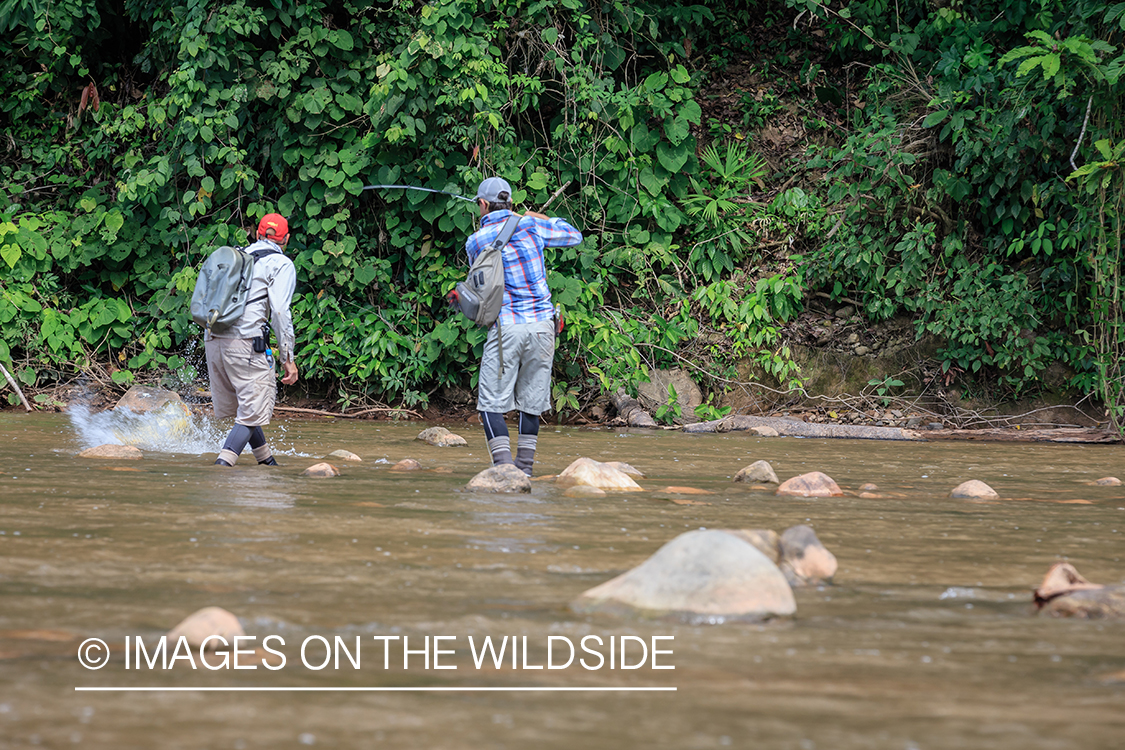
506, 231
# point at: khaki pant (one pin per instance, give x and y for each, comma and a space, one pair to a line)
525, 384
243, 382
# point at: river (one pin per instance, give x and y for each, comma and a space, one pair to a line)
925, 640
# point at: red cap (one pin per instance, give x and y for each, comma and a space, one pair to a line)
273, 227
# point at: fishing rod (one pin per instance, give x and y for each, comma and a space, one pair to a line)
415, 187
455, 195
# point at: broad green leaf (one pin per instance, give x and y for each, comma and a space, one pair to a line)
11, 254
935, 118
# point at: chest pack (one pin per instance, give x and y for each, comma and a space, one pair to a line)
481, 295
221, 291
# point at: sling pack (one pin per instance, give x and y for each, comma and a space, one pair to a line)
481, 295
221, 291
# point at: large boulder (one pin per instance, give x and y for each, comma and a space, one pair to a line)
112, 450
1064, 592
500, 478
759, 471
654, 393
974, 489
702, 576
593, 473
813, 484
144, 398
201, 625
441, 437
804, 560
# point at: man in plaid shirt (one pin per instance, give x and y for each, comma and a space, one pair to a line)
526, 325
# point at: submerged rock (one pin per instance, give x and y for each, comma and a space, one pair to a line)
759, 471
973, 489
804, 559
582, 490
501, 478
1065, 593
813, 484
407, 464
869, 487
593, 473
441, 437
112, 450
343, 455
321, 470
707, 575
201, 625
1108, 482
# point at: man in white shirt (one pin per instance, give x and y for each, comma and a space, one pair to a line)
241, 369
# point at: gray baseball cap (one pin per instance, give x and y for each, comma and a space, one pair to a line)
491, 188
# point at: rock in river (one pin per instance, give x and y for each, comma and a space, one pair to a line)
759, 471
321, 470
199, 626
593, 473
501, 478
804, 560
973, 489
632, 471
702, 575
111, 450
143, 399
343, 455
441, 437
1065, 593
407, 464
813, 484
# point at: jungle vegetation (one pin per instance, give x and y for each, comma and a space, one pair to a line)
951, 161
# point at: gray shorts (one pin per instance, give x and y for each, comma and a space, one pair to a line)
525, 384
243, 382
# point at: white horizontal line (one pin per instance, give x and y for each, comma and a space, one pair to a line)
375, 689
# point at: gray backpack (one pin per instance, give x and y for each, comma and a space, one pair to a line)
223, 285
481, 295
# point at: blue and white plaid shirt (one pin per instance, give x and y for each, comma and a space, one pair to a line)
527, 298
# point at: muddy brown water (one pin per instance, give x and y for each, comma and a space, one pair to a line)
926, 640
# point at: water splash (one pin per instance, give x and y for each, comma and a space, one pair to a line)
172, 428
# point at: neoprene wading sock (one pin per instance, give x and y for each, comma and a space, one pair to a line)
528, 442
260, 448
496, 431
237, 439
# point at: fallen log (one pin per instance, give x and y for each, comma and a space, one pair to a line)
629, 409
1047, 435
796, 428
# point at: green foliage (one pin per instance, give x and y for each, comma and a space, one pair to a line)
195, 118
969, 223
883, 387
669, 411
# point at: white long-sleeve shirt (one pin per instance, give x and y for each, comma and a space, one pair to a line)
271, 292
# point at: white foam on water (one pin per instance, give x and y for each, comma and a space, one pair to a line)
163, 431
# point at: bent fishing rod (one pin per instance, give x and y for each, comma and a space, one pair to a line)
455, 195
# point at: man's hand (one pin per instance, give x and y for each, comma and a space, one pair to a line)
536, 215
290, 373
